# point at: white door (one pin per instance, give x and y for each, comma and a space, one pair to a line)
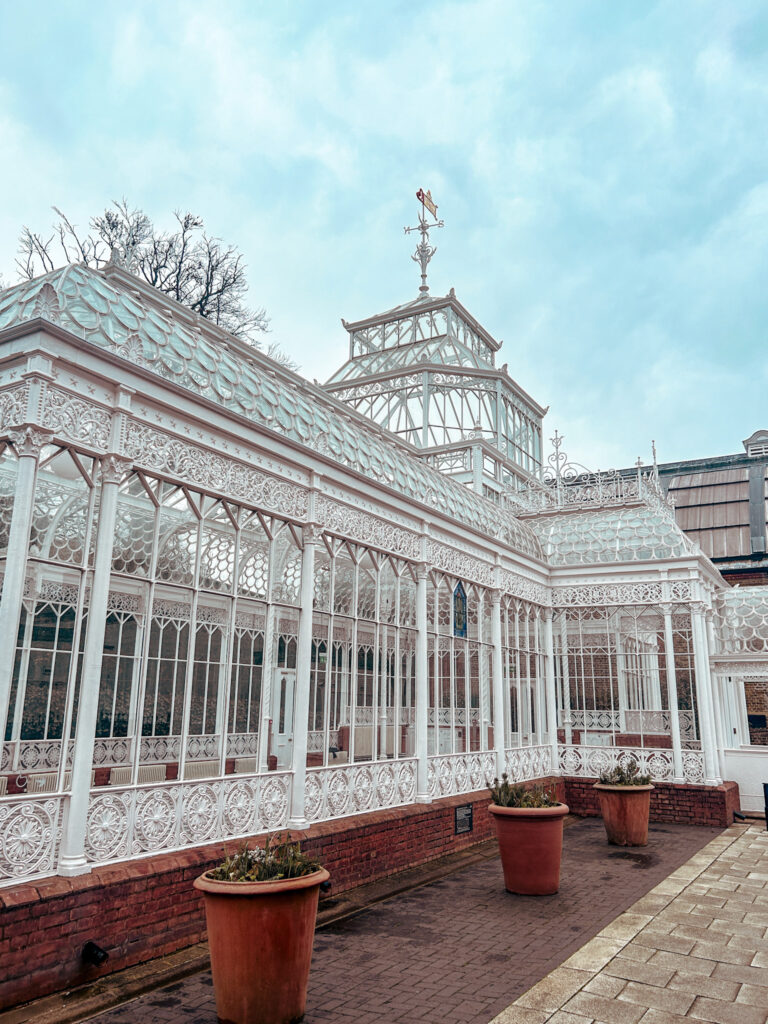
283, 690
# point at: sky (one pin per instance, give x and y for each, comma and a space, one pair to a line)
601, 167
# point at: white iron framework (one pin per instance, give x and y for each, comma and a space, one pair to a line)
232, 602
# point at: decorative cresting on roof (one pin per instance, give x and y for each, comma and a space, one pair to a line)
116, 313
635, 534
743, 620
565, 484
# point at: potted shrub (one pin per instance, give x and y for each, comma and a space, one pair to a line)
260, 909
529, 827
625, 800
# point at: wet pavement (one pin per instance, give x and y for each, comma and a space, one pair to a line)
459, 950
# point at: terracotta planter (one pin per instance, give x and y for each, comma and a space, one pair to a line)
625, 813
260, 936
531, 846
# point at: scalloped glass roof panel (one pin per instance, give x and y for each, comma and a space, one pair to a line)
442, 350
637, 534
108, 313
744, 620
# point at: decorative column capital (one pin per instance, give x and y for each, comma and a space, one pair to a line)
29, 441
311, 533
114, 468
666, 608
546, 613
422, 570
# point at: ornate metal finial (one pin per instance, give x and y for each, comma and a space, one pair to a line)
425, 251
655, 462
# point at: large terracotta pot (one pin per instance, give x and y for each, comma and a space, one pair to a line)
625, 813
260, 936
531, 846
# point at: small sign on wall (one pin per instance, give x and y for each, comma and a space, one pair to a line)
462, 821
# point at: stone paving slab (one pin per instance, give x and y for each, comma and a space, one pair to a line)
695, 948
459, 950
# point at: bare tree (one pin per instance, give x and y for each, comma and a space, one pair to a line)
193, 267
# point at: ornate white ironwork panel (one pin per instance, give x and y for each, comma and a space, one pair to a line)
30, 831
340, 790
525, 763
127, 822
158, 749
450, 774
242, 744
588, 762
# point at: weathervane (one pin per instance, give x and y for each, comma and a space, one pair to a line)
425, 251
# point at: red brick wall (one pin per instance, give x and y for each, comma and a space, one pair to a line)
688, 805
148, 908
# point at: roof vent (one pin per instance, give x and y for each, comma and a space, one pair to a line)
756, 446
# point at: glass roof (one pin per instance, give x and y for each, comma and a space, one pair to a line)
113, 309
436, 350
638, 534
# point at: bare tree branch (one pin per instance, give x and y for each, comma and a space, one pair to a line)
194, 268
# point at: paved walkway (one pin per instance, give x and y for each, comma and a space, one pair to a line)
695, 948
460, 950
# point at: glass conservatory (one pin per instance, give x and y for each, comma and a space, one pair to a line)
233, 600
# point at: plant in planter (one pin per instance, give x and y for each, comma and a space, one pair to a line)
625, 801
529, 827
260, 909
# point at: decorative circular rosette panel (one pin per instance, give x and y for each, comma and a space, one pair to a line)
445, 777
154, 820
273, 803
199, 814
598, 761
571, 762
406, 783
693, 766
239, 813
461, 775
107, 827
659, 767
338, 792
28, 833
432, 778
362, 789
313, 796
386, 788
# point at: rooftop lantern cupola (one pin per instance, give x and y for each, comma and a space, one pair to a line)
426, 370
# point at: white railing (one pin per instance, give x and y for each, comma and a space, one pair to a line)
33, 755
125, 823
339, 790
590, 761
654, 723
31, 832
242, 744
525, 763
316, 740
450, 774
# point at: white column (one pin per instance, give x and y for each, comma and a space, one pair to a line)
72, 860
741, 711
551, 697
621, 679
674, 713
422, 688
28, 443
716, 693
311, 538
567, 720
499, 739
703, 690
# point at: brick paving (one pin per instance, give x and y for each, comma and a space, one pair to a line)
460, 950
695, 948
